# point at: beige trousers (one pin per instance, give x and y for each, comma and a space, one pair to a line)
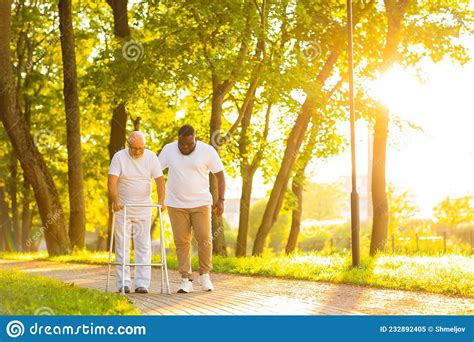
188, 221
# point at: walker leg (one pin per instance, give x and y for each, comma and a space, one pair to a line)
123, 250
161, 254
164, 267
112, 233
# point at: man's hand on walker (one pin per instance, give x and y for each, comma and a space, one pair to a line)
117, 206
163, 206
218, 208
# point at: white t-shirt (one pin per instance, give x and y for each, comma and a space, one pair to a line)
135, 176
188, 176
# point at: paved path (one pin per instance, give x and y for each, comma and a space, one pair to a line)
245, 295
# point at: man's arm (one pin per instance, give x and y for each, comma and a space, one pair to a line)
113, 191
160, 188
219, 206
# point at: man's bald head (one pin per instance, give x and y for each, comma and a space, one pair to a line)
136, 144
136, 135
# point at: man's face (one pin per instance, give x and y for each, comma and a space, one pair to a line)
137, 147
186, 144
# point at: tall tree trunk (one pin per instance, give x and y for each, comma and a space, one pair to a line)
293, 145
244, 212
34, 167
218, 93
379, 193
2, 241
247, 167
220, 88
12, 190
119, 8
297, 186
77, 216
247, 172
279, 188
116, 143
296, 214
5, 223
2, 224
218, 238
26, 217
118, 124
294, 142
395, 11
136, 122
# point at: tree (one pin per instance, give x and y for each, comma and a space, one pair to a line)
5, 223
13, 191
118, 123
330, 31
324, 201
221, 86
24, 45
395, 11
322, 142
205, 53
248, 168
434, 37
278, 235
77, 211
454, 211
31, 161
250, 159
401, 209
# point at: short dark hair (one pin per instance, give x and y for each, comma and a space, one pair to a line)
186, 130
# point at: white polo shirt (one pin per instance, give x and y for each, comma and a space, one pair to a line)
135, 176
188, 176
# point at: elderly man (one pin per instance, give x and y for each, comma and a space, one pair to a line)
131, 172
189, 201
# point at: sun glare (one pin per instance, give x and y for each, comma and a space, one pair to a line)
399, 90
440, 102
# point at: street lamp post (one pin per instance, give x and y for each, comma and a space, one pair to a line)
355, 219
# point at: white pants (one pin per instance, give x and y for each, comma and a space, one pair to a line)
138, 228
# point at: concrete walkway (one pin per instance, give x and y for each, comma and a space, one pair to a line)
246, 295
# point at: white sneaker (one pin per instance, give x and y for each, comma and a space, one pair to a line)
186, 286
205, 281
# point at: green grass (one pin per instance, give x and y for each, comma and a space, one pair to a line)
25, 294
451, 274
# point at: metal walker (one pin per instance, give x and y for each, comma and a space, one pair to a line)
165, 285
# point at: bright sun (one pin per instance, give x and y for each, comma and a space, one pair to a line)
440, 160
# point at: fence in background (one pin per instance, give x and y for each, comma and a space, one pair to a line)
444, 242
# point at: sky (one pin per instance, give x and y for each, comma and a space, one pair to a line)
434, 163
431, 164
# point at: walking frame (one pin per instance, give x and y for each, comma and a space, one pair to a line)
165, 285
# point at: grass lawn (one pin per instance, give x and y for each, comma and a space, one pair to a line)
25, 294
445, 274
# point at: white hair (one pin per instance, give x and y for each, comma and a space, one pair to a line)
136, 135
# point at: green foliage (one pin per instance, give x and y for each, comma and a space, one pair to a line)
324, 201
279, 233
56, 298
401, 209
445, 274
189, 47
453, 212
